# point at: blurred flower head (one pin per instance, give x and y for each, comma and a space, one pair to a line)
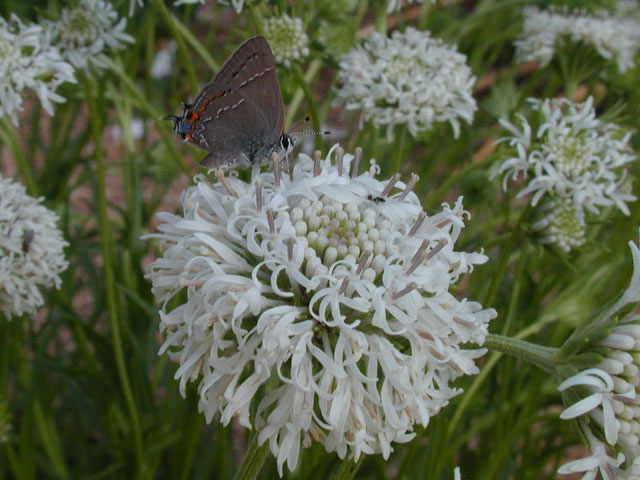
571, 155
164, 61
561, 224
31, 250
327, 288
287, 39
409, 79
86, 29
28, 61
608, 404
614, 36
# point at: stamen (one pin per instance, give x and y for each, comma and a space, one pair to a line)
410, 185
390, 185
415, 263
355, 166
271, 220
204, 214
343, 287
259, 195
275, 158
444, 223
339, 159
316, 162
223, 181
418, 224
437, 248
404, 291
290, 243
423, 247
363, 261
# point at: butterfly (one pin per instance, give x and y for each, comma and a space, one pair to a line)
239, 116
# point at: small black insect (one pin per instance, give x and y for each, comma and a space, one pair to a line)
376, 199
26, 241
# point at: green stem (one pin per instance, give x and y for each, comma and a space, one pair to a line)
530, 352
382, 22
109, 280
153, 114
294, 105
50, 440
10, 139
253, 460
503, 260
256, 18
311, 105
183, 30
179, 38
348, 469
452, 180
398, 148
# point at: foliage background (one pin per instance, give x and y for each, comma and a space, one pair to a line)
86, 391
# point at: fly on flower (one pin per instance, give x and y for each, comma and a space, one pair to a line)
239, 117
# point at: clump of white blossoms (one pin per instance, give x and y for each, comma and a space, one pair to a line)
571, 155
608, 411
28, 61
614, 36
327, 288
409, 79
287, 39
31, 250
86, 29
562, 224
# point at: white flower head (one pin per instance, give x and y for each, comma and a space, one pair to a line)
562, 225
612, 36
571, 155
410, 78
31, 250
327, 288
27, 60
287, 39
164, 61
612, 400
85, 30
598, 462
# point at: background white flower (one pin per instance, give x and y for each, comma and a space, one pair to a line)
562, 224
410, 78
332, 286
27, 60
287, 39
571, 155
611, 398
612, 36
31, 250
85, 30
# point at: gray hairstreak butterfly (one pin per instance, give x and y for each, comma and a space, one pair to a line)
239, 117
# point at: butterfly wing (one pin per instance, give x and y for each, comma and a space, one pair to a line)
239, 116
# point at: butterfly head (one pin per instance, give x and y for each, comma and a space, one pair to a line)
183, 124
286, 144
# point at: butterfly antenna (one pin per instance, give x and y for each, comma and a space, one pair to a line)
310, 132
307, 119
